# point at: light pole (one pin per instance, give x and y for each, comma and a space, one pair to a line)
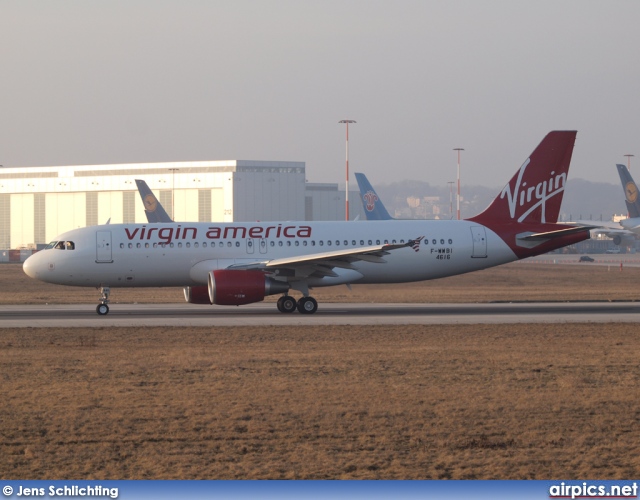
629, 161
458, 198
346, 190
173, 190
450, 199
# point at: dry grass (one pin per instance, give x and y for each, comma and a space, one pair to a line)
487, 401
463, 401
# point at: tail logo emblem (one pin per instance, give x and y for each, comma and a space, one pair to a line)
539, 194
631, 191
370, 199
150, 203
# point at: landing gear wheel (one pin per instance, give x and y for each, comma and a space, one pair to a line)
102, 309
307, 305
286, 304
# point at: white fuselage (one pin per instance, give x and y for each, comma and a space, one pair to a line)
182, 254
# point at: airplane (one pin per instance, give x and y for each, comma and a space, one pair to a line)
627, 230
154, 211
243, 262
374, 209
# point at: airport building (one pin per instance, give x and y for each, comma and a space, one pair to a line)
38, 203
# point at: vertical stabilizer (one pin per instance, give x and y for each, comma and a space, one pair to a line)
373, 206
534, 194
630, 191
152, 207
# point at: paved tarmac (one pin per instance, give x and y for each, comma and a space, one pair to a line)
261, 314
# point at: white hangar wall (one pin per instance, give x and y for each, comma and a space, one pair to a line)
39, 203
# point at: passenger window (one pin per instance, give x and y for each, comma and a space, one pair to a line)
130, 245
321, 243
280, 243
442, 242
297, 243
204, 245
370, 242
146, 245
180, 245
288, 243
313, 243
228, 244
450, 241
121, 245
434, 241
196, 244
273, 243
393, 241
426, 241
329, 243
171, 245
377, 242
401, 241
155, 245
138, 245
361, 242
237, 243
353, 243
188, 245
304, 243
386, 242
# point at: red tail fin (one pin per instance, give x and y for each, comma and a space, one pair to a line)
534, 194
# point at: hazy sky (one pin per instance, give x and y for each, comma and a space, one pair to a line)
87, 82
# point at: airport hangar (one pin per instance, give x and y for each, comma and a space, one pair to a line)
39, 203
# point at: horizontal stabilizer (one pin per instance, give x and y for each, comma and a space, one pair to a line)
533, 239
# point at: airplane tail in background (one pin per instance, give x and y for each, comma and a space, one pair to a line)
630, 192
373, 206
534, 194
152, 207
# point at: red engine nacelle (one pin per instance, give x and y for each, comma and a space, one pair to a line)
197, 294
229, 287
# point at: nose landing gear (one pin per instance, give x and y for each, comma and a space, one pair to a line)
102, 308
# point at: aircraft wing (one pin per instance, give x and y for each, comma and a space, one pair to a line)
322, 264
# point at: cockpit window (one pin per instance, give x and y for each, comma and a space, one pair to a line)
62, 245
51, 245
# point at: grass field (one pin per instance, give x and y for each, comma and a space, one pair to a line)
475, 401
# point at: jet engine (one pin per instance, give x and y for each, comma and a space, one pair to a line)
617, 239
230, 287
197, 294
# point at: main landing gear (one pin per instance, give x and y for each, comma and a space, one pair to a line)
102, 308
306, 305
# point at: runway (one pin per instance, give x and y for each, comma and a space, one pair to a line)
266, 314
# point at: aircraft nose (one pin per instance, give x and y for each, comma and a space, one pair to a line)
30, 267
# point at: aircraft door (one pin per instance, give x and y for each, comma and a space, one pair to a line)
479, 238
103, 247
